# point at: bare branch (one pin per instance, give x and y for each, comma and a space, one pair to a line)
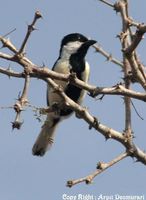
121, 6
29, 31
23, 98
21, 103
119, 90
43, 73
7, 43
136, 39
101, 167
9, 33
6, 56
141, 66
127, 100
108, 56
136, 71
136, 111
109, 133
9, 72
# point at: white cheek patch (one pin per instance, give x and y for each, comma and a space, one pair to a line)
74, 46
70, 48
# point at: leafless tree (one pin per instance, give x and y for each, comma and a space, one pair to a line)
133, 71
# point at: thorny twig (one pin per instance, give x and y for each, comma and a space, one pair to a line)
109, 133
21, 103
29, 31
108, 56
122, 7
101, 166
43, 73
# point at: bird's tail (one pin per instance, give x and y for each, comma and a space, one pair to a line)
46, 137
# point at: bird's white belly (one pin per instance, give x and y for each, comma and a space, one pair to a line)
60, 67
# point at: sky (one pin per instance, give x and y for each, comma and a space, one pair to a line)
77, 149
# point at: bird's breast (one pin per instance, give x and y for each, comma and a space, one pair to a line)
61, 66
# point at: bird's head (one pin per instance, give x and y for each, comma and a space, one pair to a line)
75, 43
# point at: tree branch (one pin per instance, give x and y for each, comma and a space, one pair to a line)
10, 73
108, 56
21, 103
109, 133
6, 56
7, 43
44, 72
29, 31
101, 167
136, 39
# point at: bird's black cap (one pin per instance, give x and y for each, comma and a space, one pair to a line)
73, 37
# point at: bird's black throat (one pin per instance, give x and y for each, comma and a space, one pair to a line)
72, 91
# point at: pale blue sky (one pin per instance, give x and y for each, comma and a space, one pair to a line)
77, 149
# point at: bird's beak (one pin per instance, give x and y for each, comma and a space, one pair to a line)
85, 46
90, 42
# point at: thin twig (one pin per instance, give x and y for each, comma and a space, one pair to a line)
7, 43
21, 103
101, 167
107, 3
25, 89
136, 110
136, 71
127, 100
108, 56
10, 73
9, 33
136, 39
6, 56
29, 31
140, 65
117, 90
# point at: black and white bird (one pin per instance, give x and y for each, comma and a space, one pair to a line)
71, 59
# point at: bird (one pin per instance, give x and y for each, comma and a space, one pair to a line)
73, 50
